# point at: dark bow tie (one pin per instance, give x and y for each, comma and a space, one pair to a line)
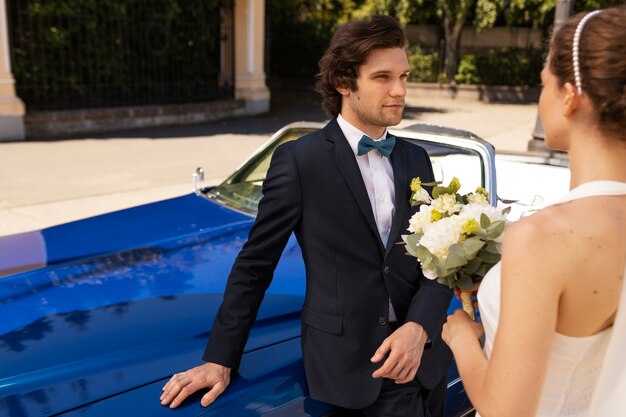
384, 147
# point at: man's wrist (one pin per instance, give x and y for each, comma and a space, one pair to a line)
219, 366
421, 332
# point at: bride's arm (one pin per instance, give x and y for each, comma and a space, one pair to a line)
536, 264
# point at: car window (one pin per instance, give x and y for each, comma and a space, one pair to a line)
530, 182
243, 190
450, 161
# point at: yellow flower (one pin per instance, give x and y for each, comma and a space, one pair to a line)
435, 215
455, 185
416, 184
481, 190
471, 227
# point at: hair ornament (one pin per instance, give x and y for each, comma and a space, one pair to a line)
576, 49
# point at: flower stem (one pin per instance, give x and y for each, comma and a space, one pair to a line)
468, 305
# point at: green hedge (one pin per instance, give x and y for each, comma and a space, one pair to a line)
424, 65
91, 53
506, 66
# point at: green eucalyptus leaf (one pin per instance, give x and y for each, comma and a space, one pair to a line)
472, 266
471, 246
465, 282
491, 258
506, 211
492, 247
413, 239
423, 253
439, 190
481, 271
455, 257
495, 229
484, 221
411, 250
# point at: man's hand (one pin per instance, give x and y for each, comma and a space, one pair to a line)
182, 385
405, 347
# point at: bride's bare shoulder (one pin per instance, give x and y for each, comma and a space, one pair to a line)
565, 231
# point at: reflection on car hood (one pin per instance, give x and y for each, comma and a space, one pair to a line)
94, 326
113, 232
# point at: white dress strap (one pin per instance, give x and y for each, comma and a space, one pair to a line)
592, 189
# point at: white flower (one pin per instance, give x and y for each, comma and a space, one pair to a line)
420, 219
477, 198
421, 196
429, 273
446, 203
440, 235
475, 210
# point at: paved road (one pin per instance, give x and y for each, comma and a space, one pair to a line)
43, 183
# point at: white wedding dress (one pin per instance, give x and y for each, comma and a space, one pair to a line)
586, 375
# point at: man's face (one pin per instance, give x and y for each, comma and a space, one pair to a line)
378, 100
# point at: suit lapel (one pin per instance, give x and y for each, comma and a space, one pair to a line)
398, 164
346, 162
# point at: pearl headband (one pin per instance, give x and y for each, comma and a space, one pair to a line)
576, 49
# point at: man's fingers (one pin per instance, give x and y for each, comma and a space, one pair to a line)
175, 386
387, 367
381, 351
212, 395
186, 392
172, 381
410, 376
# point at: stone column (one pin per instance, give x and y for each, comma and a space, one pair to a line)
250, 83
11, 107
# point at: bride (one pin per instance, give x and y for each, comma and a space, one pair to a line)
554, 322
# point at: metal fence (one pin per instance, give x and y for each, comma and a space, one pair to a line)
70, 54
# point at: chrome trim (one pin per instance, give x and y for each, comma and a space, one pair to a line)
535, 158
462, 139
454, 382
468, 412
198, 181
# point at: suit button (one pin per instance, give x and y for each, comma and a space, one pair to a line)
386, 269
382, 321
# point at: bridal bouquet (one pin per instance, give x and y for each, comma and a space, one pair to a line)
455, 237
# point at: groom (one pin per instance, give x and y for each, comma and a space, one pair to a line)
371, 323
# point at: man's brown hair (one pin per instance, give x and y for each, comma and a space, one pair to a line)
349, 48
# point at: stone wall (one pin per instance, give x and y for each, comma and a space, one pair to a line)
430, 36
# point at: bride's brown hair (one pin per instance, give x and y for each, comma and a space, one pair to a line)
602, 58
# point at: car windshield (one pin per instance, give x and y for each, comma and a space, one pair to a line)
243, 190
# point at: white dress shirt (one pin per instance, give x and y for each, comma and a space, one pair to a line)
378, 177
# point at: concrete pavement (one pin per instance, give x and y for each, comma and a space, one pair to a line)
43, 183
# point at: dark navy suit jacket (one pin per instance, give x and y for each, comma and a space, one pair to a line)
314, 188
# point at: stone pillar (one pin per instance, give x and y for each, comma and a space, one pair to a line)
250, 84
11, 107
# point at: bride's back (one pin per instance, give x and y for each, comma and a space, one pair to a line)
592, 235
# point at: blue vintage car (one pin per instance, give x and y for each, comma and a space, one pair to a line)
97, 314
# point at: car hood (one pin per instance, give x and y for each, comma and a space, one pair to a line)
87, 327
